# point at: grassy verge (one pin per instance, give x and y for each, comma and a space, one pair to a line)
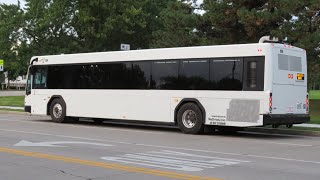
17, 101
315, 111
314, 94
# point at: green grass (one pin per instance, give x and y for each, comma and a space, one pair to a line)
17, 101
314, 94
315, 111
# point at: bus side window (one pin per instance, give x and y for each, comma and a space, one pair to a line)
253, 74
40, 78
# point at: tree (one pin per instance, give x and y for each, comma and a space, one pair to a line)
11, 23
302, 29
104, 25
239, 21
178, 26
245, 21
49, 27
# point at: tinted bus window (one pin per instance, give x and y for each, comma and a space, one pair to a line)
194, 75
226, 74
118, 75
165, 74
141, 74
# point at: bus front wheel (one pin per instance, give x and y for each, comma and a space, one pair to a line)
58, 111
190, 119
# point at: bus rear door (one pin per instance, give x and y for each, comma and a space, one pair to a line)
289, 89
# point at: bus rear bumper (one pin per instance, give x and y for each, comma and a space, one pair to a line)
285, 119
27, 109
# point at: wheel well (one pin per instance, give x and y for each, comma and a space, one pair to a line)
189, 100
50, 101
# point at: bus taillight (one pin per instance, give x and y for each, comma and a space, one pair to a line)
307, 103
270, 103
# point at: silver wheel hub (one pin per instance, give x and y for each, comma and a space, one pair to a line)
57, 111
189, 118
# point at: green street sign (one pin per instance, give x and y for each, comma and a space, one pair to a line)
1, 65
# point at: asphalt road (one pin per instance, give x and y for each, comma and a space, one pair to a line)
35, 148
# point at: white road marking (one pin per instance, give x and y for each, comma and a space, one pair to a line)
233, 154
188, 162
167, 147
65, 136
168, 152
25, 143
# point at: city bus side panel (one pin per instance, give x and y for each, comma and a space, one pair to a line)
118, 104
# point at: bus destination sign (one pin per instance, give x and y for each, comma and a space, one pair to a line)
300, 77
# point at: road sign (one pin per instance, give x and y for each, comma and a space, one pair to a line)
1, 65
125, 47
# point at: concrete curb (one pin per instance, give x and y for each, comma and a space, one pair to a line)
12, 107
284, 131
13, 112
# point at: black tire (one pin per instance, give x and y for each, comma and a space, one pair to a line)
196, 117
61, 116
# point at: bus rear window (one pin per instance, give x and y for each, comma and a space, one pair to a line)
289, 63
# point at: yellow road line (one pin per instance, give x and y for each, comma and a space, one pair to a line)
105, 165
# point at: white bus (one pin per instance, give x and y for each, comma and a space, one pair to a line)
242, 85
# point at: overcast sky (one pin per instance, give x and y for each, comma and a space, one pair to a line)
12, 2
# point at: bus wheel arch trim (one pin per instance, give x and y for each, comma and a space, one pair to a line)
52, 99
189, 100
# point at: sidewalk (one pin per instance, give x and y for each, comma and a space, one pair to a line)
10, 107
308, 125
12, 93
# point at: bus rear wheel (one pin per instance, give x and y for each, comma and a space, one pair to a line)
190, 119
58, 111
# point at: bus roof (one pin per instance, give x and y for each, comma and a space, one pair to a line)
216, 51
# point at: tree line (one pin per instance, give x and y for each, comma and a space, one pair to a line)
44, 27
